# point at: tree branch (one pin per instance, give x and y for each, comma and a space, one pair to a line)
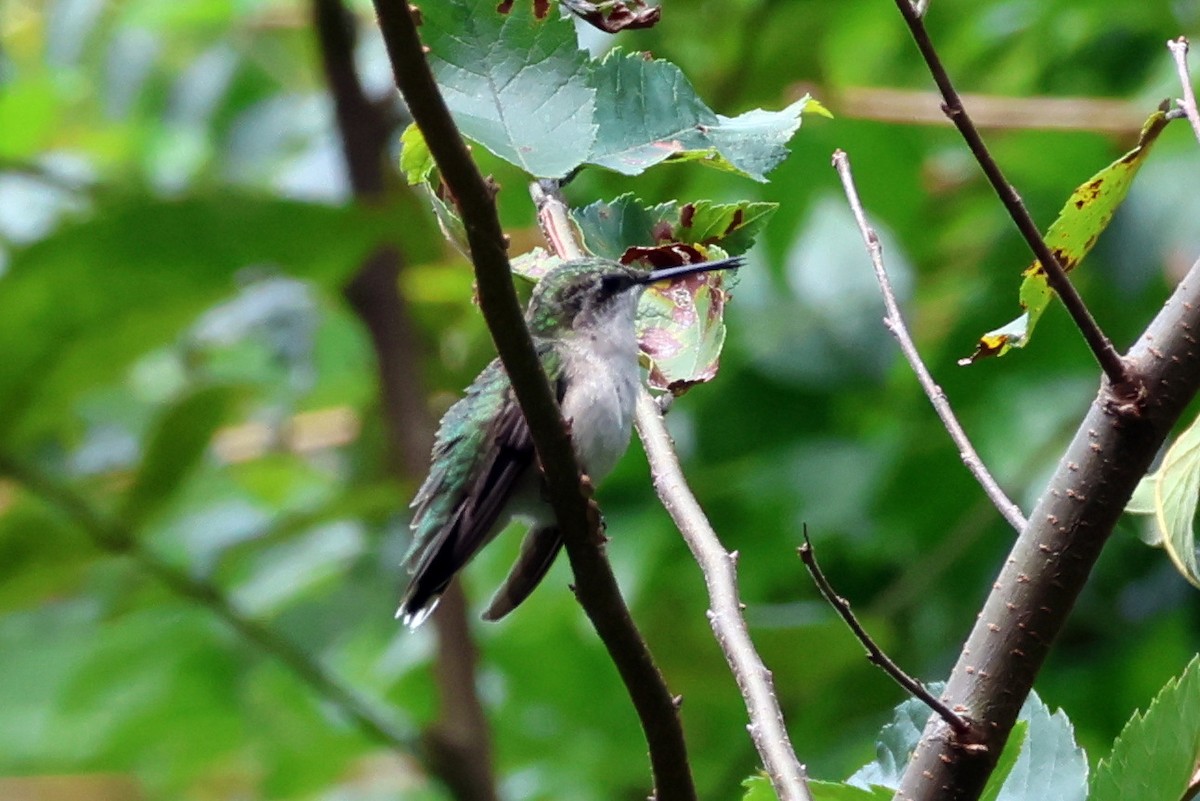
1110, 361
1179, 50
875, 654
720, 577
1053, 556
894, 322
767, 730
578, 518
457, 744
115, 538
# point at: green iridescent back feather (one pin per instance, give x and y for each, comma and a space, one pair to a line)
461, 450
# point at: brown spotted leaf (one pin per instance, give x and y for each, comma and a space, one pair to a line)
614, 16
1070, 238
681, 329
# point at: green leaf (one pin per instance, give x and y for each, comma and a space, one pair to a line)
1041, 759
758, 788
1048, 764
1169, 496
609, 228
533, 265
522, 88
648, 112
1070, 238
1004, 765
449, 221
516, 84
894, 746
416, 162
177, 443
1157, 753
837, 791
732, 226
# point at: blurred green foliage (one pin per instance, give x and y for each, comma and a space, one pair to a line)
174, 230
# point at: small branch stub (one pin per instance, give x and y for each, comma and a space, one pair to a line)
960, 726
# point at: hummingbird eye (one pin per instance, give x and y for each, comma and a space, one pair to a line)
614, 283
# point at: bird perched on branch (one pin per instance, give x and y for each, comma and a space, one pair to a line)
483, 472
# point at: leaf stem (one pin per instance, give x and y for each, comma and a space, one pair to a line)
1110, 361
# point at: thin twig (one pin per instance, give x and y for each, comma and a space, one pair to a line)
578, 518
894, 322
720, 577
1179, 49
1110, 361
458, 742
113, 537
874, 653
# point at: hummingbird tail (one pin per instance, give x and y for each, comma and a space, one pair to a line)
538, 551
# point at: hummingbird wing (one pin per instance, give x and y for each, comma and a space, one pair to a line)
538, 551
482, 451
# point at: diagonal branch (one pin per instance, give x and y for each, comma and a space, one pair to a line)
1179, 50
115, 538
578, 518
1053, 557
457, 744
894, 322
1110, 361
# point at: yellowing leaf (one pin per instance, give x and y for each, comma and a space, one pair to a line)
1170, 495
1071, 237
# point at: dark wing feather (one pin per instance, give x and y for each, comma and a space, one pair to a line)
459, 504
538, 551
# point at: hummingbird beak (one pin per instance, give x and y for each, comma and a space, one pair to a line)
731, 263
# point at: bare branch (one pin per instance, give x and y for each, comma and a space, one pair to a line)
115, 538
1053, 557
577, 516
1110, 361
894, 322
875, 654
720, 577
1179, 49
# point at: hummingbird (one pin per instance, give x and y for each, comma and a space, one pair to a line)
484, 473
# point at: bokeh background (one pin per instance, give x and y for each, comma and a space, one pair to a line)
179, 367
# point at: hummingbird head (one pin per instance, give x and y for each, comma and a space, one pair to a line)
589, 293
